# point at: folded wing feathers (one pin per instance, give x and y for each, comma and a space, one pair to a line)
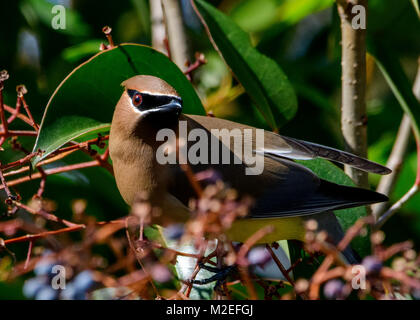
303, 150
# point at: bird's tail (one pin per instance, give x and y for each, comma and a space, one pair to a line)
341, 197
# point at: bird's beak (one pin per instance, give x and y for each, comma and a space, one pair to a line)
174, 108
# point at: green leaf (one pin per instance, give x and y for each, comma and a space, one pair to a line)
416, 6
84, 102
41, 10
80, 51
261, 76
258, 15
397, 80
292, 11
347, 217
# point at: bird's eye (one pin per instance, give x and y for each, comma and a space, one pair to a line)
137, 99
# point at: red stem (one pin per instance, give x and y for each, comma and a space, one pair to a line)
28, 256
2, 115
48, 172
28, 112
33, 237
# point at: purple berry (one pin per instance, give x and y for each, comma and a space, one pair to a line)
258, 256
333, 289
209, 176
372, 265
161, 273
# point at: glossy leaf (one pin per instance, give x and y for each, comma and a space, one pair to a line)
84, 102
263, 79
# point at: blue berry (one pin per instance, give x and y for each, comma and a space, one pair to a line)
69, 292
84, 281
47, 293
43, 268
47, 252
174, 231
33, 286
72, 293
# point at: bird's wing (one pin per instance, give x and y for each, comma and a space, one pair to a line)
303, 150
277, 146
285, 188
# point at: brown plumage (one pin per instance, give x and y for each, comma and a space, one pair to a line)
284, 189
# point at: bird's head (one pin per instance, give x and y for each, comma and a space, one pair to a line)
147, 100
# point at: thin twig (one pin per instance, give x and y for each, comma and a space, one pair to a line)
133, 249
15, 113
3, 77
11, 133
33, 237
280, 265
158, 27
6, 187
28, 256
107, 31
397, 206
28, 112
44, 214
353, 104
175, 32
400, 276
396, 159
199, 61
243, 262
51, 171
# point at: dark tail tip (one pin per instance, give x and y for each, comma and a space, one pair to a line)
353, 194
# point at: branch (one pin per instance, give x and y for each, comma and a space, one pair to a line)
6, 188
44, 234
28, 112
41, 212
33, 237
353, 61
51, 171
397, 206
158, 27
175, 32
3, 77
395, 161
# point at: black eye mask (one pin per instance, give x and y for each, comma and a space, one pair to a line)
150, 101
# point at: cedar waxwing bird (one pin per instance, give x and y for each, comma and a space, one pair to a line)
285, 192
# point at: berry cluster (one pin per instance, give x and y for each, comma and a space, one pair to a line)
41, 287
